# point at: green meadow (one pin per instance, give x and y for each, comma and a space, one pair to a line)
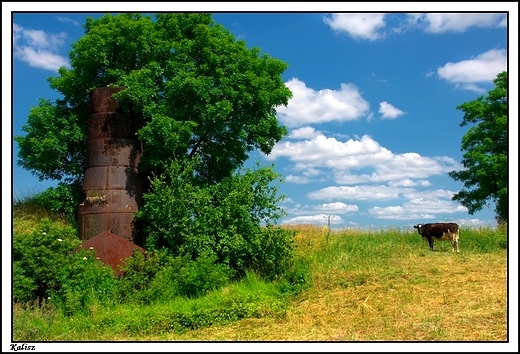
351, 285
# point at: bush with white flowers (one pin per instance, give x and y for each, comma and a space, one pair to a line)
50, 263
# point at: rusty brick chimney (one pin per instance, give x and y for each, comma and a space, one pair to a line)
112, 185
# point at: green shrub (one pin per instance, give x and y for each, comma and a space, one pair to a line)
164, 287
49, 263
158, 276
90, 284
24, 286
272, 252
297, 277
222, 220
201, 276
64, 199
139, 271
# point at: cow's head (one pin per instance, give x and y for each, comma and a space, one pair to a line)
419, 228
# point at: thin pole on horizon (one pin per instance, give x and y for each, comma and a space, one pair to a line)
328, 217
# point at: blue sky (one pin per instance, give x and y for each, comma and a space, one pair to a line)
373, 122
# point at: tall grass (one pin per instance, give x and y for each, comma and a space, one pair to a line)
27, 212
250, 298
365, 285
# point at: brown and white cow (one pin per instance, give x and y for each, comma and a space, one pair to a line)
440, 231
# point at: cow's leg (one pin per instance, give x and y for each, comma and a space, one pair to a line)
456, 244
430, 242
452, 241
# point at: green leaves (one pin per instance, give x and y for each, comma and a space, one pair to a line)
485, 160
204, 101
231, 220
219, 96
52, 144
63, 199
49, 262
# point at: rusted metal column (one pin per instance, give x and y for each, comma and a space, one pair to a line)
113, 187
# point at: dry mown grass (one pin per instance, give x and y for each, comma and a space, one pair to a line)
434, 296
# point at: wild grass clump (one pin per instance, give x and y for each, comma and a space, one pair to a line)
27, 213
249, 298
484, 239
55, 203
158, 276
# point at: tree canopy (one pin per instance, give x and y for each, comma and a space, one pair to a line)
201, 95
486, 148
202, 101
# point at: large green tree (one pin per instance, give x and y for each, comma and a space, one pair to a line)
203, 101
486, 147
201, 95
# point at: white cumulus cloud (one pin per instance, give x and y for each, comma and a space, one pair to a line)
458, 22
330, 152
67, 19
343, 161
419, 208
359, 26
481, 69
297, 179
388, 111
397, 167
417, 205
308, 106
304, 133
336, 208
374, 26
319, 219
355, 193
409, 183
38, 48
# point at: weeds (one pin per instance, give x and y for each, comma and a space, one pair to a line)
250, 298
